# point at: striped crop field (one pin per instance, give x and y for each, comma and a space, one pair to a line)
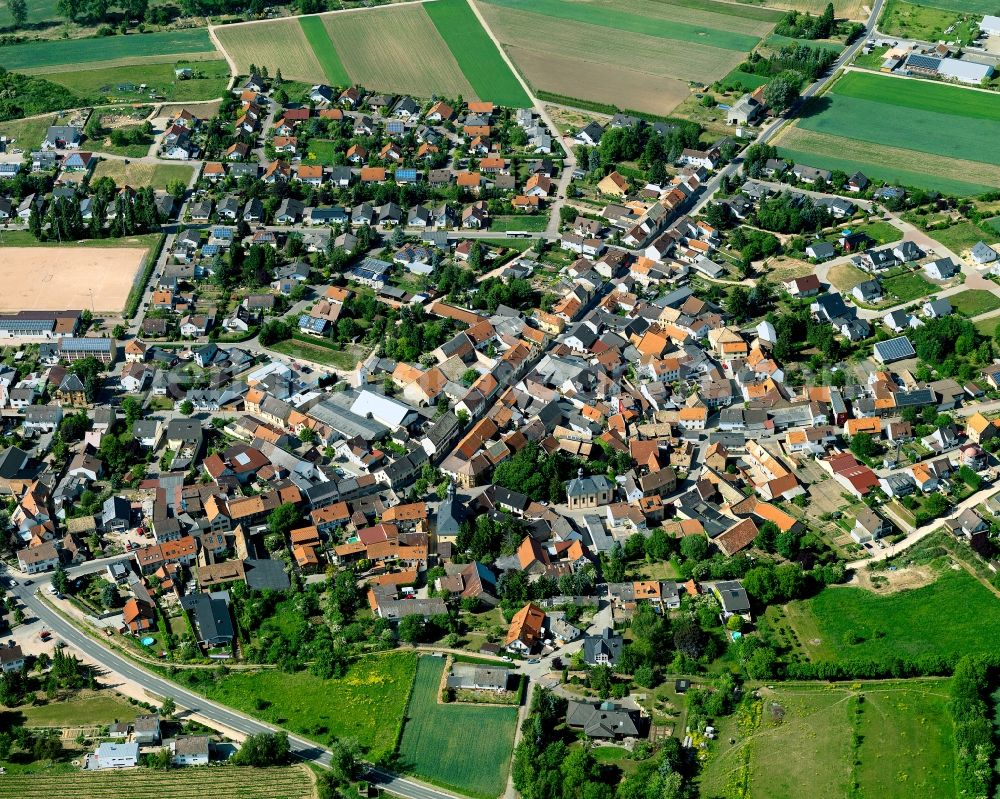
326, 53
918, 133
476, 54
275, 44
32, 55
398, 49
631, 71
291, 782
686, 25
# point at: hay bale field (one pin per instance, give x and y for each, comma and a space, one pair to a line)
396, 49
290, 782
42, 278
275, 44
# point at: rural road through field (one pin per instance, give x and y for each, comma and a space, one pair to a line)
160, 687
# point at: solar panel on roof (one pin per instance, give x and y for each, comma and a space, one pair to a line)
896, 349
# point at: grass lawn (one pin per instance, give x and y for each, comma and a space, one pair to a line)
283, 782
776, 41
476, 54
953, 616
744, 81
908, 286
532, 223
120, 84
806, 742
367, 704
143, 174
89, 708
988, 327
463, 747
345, 359
325, 52
973, 302
879, 232
105, 48
27, 133
321, 151
846, 276
961, 237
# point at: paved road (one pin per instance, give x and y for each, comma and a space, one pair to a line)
922, 532
160, 687
768, 133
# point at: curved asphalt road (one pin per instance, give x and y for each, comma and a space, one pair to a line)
160, 687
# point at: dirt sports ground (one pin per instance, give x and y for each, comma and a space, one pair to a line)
44, 278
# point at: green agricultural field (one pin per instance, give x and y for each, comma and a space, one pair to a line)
973, 302
907, 286
921, 95
106, 48
899, 733
398, 49
476, 54
880, 163
120, 84
367, 704
466, 748
882, 123
275, 44
325, 52
288, 782
634, 23
954, 616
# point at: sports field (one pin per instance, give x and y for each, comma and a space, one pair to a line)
325, 52
396, 49
289, 782
463, 747
897, 734
476, 54
275, 44
81, 277
953, 616
922, 134
645, 71
106, 48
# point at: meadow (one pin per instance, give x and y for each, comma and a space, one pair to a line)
366, 704
973, 302
396, 49
326, 53
926, 23
907, 286
276, 44
953, 616
896, 734
136, 174
32, 55
962, 236
289, 782
476, 54
463, 747
40, 11
120, 83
